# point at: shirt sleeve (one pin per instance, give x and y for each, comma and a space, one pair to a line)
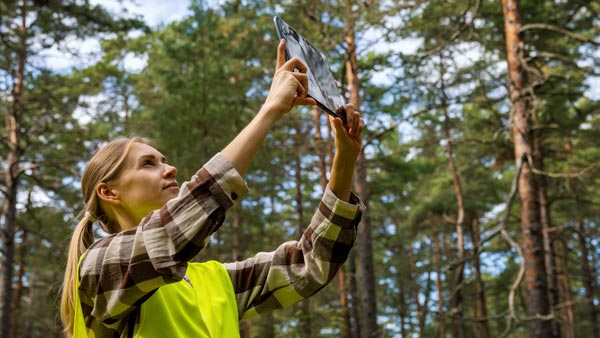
298, 269
120, 271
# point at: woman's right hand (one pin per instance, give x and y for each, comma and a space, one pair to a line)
289, 87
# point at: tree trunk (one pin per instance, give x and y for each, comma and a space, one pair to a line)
550, 261
564, 287
355, 321
366, 274
587, 269
305, 320
11, 182
341, 275
481, 322
532, 240
415, 288
437, 261
236, 224
456, 299
18, 290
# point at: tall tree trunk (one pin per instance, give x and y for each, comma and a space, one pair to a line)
456, 298
305, 320
564, 287
532, 239
18, 291
421, 307
355, 319
550, 261
366, 273
481, 322
341, 275
237, 255
589, 281
437, 261
11, 180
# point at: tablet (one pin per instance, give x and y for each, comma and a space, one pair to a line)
321, 84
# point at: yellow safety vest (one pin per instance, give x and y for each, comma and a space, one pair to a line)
205, 307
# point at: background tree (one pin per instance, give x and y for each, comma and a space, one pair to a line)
37, 103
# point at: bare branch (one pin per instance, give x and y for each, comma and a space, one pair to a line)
512, 316
552, 28
564, 175
398, 122
50, 163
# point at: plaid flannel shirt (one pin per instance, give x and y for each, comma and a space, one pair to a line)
119, 272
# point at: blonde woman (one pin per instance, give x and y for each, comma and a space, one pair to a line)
139, 281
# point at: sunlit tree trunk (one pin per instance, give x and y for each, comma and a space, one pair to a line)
341, 275
305, 320
366, 273
9, 209
237, 255
456, 298
532, 240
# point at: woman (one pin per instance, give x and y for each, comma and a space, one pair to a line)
138, 281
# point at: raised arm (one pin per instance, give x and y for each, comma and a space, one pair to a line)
298, 269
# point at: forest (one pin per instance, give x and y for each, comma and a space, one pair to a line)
479, 170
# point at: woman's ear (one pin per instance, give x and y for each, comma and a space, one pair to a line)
107, 194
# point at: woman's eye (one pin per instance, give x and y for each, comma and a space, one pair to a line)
147, 163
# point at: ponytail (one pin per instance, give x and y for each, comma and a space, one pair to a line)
82, 238
105, 166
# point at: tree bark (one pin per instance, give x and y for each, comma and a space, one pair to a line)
11, 179
456, 299
564, 288
587, 269
550, 261
482, 329
305, 320
366, 273
18, 290
532, 240
236, 224
437, 261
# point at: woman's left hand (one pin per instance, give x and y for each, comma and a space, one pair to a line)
348, 137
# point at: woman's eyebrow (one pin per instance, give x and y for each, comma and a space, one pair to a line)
154, 157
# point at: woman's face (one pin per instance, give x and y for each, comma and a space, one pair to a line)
147, 182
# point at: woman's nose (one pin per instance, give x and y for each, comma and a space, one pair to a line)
170, 171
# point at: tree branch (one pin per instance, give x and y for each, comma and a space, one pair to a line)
456, 33
552, 28
397, 123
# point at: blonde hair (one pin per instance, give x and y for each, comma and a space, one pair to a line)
105, 166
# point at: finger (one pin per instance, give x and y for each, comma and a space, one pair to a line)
280, 61
359, 130
355, 122
295, 63
349, 108
304, 101
303, 79
336, 123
